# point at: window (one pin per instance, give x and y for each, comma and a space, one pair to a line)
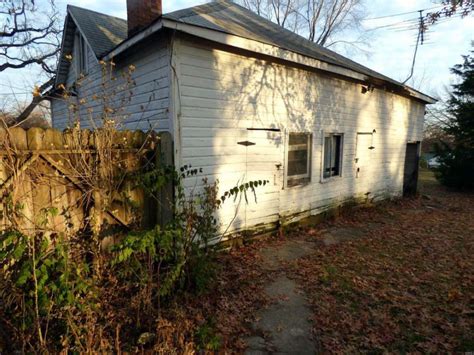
81, 55
332, 155
299, 158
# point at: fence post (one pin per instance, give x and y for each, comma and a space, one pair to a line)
165, 158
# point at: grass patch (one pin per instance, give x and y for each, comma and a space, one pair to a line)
207, 338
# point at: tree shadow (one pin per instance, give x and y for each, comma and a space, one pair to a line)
226, 91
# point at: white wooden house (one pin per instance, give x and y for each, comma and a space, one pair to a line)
245, 99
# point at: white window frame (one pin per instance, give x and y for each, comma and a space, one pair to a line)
292, 181
325, 135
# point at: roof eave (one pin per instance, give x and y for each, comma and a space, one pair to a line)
69, 18
96, 55
281, 53
419, 95
129, 42
253, 46
61, 52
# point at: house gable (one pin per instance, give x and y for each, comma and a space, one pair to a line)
139, 96
99, 32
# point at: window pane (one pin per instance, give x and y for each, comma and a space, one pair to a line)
298, 156
297, 162
332, 155
337, 155
298, 138
327, 157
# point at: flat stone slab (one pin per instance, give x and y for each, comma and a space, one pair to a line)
338, 235
256, 345
286, 323
291, 250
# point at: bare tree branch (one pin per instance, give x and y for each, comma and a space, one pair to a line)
29, 35
450, 8
24, 63
39, 96
325, 22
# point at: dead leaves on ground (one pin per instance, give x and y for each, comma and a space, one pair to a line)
407, 285
230, 305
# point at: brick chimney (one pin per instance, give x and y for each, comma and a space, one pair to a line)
141, 13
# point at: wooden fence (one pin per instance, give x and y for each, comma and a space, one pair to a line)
53, 181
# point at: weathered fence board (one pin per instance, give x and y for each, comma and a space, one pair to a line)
55, 182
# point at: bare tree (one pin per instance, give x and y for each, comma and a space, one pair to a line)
451, 8
30, 35
325, 22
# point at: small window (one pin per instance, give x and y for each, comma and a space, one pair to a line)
81, 55
332, 155
299, 158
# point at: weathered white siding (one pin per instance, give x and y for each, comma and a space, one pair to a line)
140, 100
220, 94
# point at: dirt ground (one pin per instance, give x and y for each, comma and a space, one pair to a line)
397, 277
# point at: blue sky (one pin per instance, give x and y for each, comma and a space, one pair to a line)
390, 51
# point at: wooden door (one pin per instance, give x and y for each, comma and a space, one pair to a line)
410, 173
264, 162
364, 156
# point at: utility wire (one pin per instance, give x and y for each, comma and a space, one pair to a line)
411, 24
403, 13
11, 86
15, 93
396, 24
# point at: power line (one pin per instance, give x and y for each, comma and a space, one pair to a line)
402, 13
411, 24
11, 86
15, 93
395, 24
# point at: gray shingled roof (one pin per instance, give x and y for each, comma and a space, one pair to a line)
103, 32
226, 16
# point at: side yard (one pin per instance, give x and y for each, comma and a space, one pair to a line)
405, 284
397, 277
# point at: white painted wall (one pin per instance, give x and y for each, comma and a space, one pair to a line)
219, 94
141, 103
214, 95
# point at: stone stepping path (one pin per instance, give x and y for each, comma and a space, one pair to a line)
284, 327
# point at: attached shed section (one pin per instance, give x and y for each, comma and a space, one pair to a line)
139, 94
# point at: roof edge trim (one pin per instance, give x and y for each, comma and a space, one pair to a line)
153, 28
61, 52
82, 33
252, 46
280, 53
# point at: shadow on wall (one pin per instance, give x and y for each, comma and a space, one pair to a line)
224, 93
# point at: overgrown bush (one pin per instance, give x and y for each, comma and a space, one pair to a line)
60, 291
54, 299
45, 289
